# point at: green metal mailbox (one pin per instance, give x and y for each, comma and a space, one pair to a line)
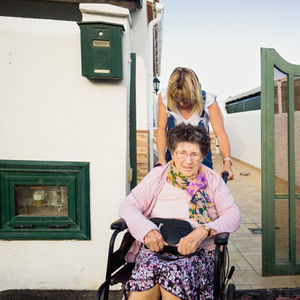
101, 50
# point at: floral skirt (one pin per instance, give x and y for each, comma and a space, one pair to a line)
187, 277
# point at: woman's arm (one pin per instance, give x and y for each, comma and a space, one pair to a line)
217, 123
161, 136
131, 210
134, 208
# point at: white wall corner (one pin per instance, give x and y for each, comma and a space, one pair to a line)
97, 12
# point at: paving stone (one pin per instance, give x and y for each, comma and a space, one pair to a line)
253, 259
242, 277
257, 268
236, 256
279, 282
257, 286
296, 279
242, 287
243, 265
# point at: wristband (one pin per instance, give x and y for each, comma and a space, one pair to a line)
207, 229
227, 158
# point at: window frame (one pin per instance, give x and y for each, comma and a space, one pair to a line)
75, 175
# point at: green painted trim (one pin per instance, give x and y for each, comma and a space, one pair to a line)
283, 196
74, 175
243, 105
267, 150
283, 269
270, 59
132, 122
43, 234
291, 159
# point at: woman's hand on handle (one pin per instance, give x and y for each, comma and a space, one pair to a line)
227, 167
154, 240
161, 162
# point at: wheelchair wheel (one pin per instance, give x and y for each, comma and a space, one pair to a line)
231, 292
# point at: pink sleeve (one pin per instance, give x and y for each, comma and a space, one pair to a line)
135, 205
228, 212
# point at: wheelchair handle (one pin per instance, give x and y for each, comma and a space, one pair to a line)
221, 238
119, 224
225, 175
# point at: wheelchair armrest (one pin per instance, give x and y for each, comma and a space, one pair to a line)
221, 238
119, 224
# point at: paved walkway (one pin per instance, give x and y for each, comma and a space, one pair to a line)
244, 246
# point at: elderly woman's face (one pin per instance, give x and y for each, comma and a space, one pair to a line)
187, 158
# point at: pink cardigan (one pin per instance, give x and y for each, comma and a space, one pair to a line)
137, 206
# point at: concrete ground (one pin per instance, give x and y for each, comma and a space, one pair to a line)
244, 246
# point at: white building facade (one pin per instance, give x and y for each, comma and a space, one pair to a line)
51, 113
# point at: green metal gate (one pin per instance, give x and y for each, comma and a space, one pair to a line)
280, 120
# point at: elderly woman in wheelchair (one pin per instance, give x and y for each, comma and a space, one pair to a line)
177, 263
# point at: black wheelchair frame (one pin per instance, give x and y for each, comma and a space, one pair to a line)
118, 271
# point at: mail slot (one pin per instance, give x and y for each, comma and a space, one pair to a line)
101, 50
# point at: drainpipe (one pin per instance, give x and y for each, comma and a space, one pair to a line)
157, 20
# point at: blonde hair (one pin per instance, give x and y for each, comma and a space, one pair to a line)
184, 84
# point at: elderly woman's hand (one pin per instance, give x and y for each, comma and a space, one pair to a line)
154, 240
190, 243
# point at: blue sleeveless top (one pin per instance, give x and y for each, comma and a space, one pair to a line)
171, 124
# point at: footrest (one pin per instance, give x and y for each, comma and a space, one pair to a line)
122, 275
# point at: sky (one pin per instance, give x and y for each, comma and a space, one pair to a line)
221, 40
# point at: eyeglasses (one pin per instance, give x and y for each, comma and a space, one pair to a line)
186, 101
183, 155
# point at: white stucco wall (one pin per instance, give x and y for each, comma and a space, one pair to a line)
244, 134
50, 112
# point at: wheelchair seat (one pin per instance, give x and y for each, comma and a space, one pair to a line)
119, 271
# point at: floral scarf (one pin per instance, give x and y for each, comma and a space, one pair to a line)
200, 201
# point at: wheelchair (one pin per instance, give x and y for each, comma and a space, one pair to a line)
119, 271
